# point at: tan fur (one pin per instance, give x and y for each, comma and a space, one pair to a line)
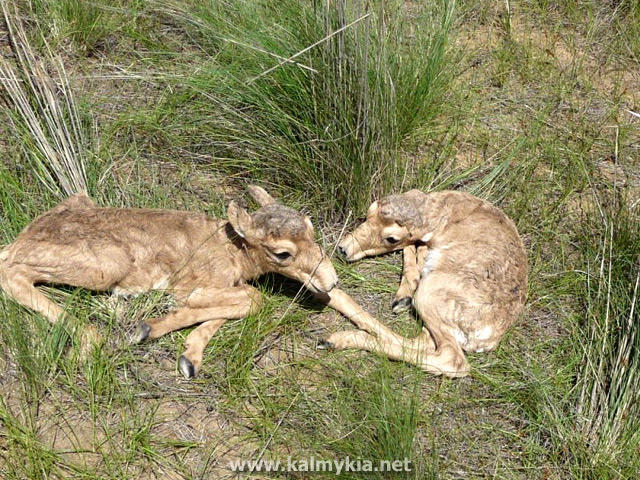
465, 267
205, 262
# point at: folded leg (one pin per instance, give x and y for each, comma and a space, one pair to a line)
412, 264
447, 360
202, 305
19, 283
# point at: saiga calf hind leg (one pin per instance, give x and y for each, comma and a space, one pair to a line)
374, 336
442, 357
18, 280
434, 307
19, 283
347, 306
447, 360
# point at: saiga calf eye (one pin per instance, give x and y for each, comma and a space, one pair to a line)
392, 240
282, 255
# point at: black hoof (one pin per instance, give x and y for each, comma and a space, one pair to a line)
401, 304
142, 333
324, 345
186, 367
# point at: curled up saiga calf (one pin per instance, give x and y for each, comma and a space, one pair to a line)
205, 262
465, 271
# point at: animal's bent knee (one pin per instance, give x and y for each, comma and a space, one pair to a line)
457, 365
447, 361
256, 302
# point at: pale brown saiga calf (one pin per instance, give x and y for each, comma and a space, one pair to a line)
465, 271
205, 262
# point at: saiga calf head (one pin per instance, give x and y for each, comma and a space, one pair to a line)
282, 241
392, 223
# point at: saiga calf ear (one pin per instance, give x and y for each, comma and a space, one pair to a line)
240, 220
260, 195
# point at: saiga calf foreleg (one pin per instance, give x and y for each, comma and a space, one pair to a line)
211, 307
191, 359
412, 264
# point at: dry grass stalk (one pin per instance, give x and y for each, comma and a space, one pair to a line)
44, 111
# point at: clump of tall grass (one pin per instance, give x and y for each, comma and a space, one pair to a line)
316, 96
43, 113
590, 409
383, 419
87, 24
608, 409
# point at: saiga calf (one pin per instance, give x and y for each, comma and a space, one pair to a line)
205, 262
464, 265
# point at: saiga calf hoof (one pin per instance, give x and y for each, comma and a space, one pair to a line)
324, 345
186, 368
141, 333
401, 305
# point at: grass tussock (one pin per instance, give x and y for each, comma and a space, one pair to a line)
88, 26
332, 121
44, 113
608, 410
